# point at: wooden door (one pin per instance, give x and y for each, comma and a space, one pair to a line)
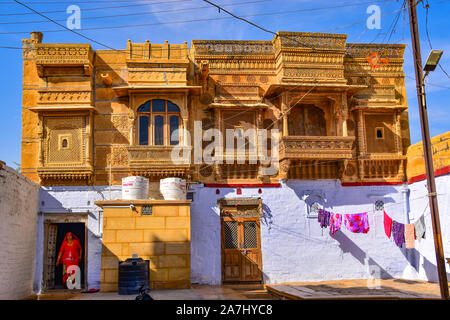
241, 250
50, 256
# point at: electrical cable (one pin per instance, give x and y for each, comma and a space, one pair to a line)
63, 26
138, 13
99, 8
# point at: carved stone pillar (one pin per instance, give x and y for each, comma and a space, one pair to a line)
398, 133
339, 121
132, 123
361, 136
89, 140
259, 121
361, 144
284, 112
40, 134
284, 169
344, 112
185, 136
185, 118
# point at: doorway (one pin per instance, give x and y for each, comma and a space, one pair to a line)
55, 234
241, 243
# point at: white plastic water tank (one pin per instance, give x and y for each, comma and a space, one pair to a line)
173, 188
135, 188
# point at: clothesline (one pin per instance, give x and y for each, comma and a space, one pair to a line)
359, 223
405, 233
402, 202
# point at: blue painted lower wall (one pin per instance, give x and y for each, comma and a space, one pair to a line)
294, 247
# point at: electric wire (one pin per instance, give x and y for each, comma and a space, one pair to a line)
427, 6
138, 13
63, 26
99, 8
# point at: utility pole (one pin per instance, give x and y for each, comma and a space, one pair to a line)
432, 196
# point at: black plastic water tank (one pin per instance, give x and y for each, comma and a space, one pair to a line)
133, 273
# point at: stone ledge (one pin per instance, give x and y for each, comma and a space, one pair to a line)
140, 202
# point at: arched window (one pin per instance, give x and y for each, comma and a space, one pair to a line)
157, 121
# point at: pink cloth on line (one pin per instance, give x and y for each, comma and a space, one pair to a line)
410, 235
335, 224
357, 223
387, 225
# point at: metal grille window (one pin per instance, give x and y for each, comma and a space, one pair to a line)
379, 205
51, 256
231, 234
313, 210
250, 236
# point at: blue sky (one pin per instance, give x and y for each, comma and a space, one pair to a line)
343, 18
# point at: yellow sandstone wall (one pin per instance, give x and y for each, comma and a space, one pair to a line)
441, 155
163, 238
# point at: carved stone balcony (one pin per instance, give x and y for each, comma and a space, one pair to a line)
316, 147
158, 161
64, 55
65, 175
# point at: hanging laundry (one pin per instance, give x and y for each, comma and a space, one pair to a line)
335, 224
409, 235
324, 218
357, 223
419, 227
387, 225
398, 230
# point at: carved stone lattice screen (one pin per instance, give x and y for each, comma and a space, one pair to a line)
60, 128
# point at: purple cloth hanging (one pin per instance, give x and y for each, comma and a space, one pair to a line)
324, 218
398, 231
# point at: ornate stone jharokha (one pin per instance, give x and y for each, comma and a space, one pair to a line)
94, 118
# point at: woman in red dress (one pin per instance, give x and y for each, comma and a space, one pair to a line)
69, 254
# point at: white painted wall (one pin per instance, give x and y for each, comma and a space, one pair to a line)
424, 249
18, 216
294, 247
79, 199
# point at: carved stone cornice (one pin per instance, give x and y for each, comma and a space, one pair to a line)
66, 174
308, 40
61, 96
232, 47
362, 50
64, 54
316, 147
161, 171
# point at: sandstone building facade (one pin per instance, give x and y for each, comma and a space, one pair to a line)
93, 117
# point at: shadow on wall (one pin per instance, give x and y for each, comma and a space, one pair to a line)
348, 246
430, 269
267, 217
